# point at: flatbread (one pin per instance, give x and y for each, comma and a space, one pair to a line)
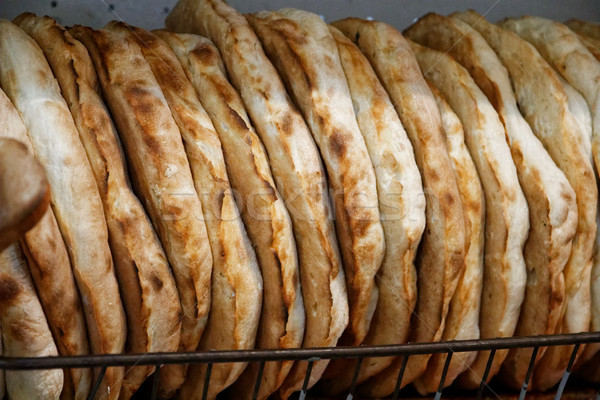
147, 285
298, 172
303, 51
161, 177
261, 206
543, 103
50, 268
25, 331
402, 209
550, 198
441, 257
584, 27
576, 64
237, 283
462, 321
507, 216
562, 49
28, 81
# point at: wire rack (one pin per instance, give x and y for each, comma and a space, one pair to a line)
315, 354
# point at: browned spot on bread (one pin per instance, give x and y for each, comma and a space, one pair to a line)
9, 289
237, 118
337, 142
205, 54
156, 282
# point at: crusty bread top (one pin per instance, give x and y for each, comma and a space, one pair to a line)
28, 81
294, 159
441, 256
507, 214
300, 45
233, 255
145, 279
401, 205
585, 27
543, 103
462, 321
550, 198
159, 169
562, 49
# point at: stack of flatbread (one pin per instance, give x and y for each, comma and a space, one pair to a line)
271, 181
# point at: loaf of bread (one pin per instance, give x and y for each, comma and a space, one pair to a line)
51, 272
550, 198
440, 260
161, 176
401, 206
28, 81
300, 178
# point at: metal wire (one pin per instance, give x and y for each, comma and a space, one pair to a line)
90, 361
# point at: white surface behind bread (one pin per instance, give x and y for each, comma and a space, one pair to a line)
28, 81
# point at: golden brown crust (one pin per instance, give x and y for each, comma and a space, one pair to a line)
507, 219
441, 255
261, 206
233, 256
462, 321
402, 208
50, 268
302, 49
584, 27
161, 176
297, 169
543, 103
25, 332
29, 83
590, 43
147, 285
551, 200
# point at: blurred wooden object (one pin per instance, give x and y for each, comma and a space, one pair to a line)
24, 191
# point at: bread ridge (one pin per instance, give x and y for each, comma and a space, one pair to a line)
147, 286
543, 103
29, 83
297, 170
571, 59
507, 216
25, 331
550, 198
233, 255
289, 36
50, 268
161, 177
260, 204
442, 247
402, 208
462, 321
584, 27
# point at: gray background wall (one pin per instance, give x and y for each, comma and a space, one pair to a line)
150, 14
